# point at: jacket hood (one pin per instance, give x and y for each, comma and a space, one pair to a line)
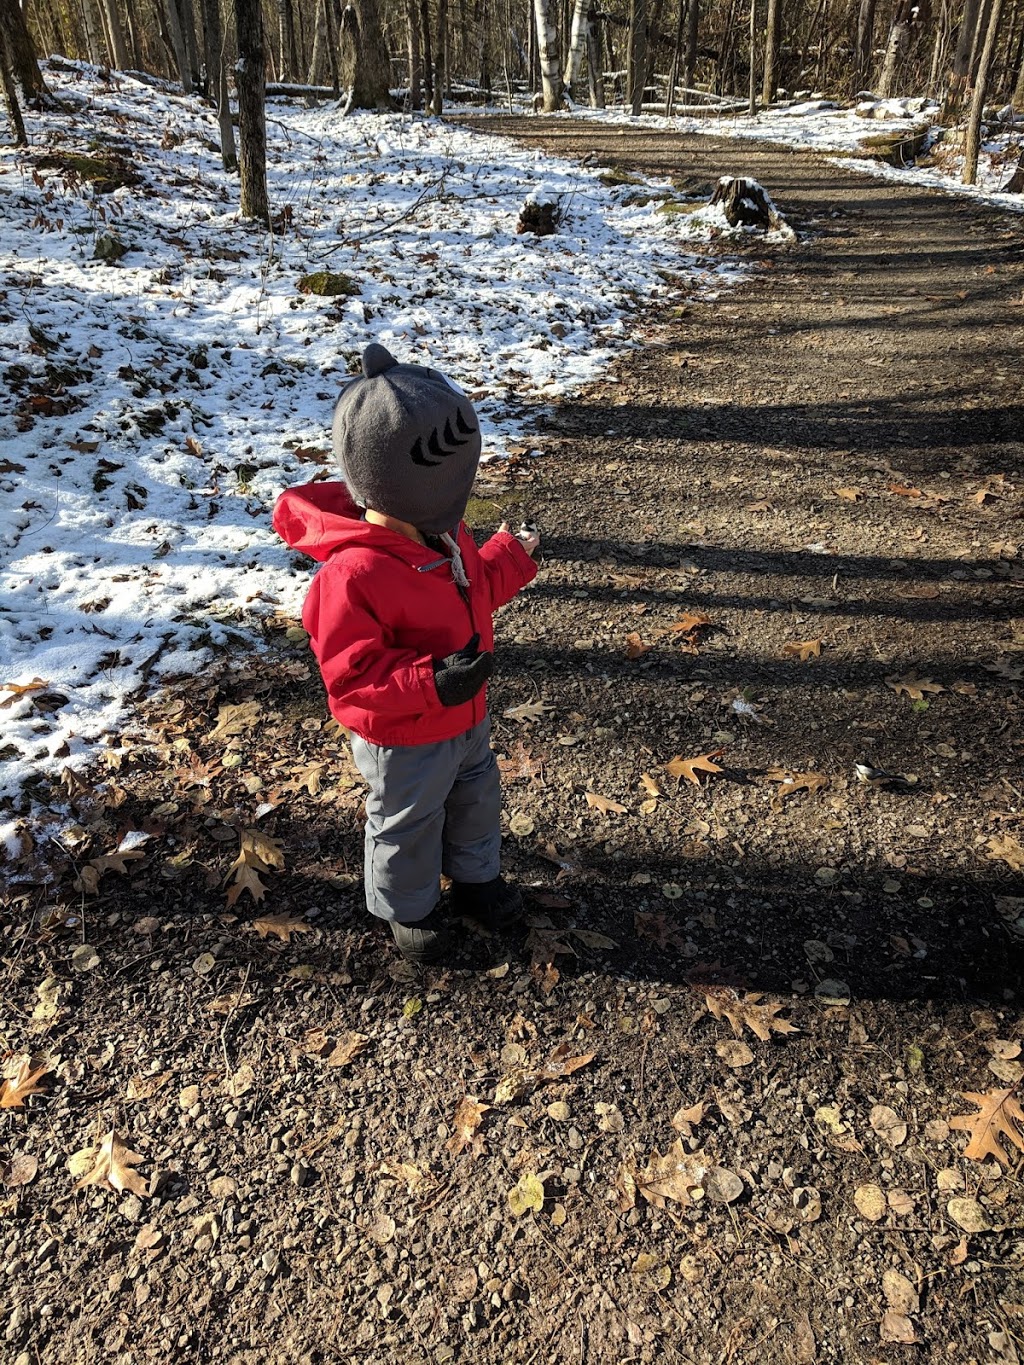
320, 518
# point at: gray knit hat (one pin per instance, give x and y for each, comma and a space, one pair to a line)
408, 442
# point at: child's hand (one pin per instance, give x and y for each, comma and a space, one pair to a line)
527, 535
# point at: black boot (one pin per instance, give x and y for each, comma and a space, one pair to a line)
425, 940
494, 904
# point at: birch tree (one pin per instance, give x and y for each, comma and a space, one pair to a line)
547, 44
577, 42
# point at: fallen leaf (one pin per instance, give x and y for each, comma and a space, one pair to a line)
528, 710
896, 1327
673, 1176
280, 926
657, 927
590, 939
888, 1125
20, 1170
22, 1082
257, 853
900, 1202
683, 1120
849, 494
905, 491
650, 785
999, 1118
468, 1117
790, 782
145, 1087
690, 622
803, 649
870, 1201
734, 1053
604, 804
526, 1194
967, 1214
915, 688
689, 767
724, 1003
900, 1294
346, 1049
520, 765
635, 647
404, 1173
109, 1164
1005, 848
240, 719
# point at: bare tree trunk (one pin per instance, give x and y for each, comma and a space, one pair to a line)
119, 55
980, 90
365, 66
865, 43
92, 34
1015, 184
412, 19
577, 42
250, 82
692, 25
177, 37
956, 85
595, 66
217, 80
939, 47
896, 50
772, 30
11, 95
637, 54
428, 63
332, 46
752, 73
1018, 90
677, 54
288, 60
131, 24
980, 31
440, 49
547, 47
21, 61
188, 28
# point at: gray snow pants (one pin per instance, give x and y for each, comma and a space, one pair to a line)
432, 808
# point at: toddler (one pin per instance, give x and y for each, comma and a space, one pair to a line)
400, 620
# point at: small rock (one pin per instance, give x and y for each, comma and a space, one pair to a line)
270, 1261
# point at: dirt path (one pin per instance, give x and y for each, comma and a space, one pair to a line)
305, 1208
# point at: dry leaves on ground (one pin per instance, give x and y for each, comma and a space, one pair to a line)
635, 647
519, 765
468, 1117
790, 782
914, 687
21, 1080
257, 853
749, 1012
1005, 848
527, 710
604, 804
280, 926
88, 879
803, 649
689, 768
109, 1164
999, 1118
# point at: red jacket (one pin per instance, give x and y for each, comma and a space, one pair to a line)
383, 607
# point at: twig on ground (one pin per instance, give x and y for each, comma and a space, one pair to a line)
229, 1016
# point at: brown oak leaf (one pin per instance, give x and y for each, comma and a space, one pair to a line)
761, 1019
803, 649
915, 688
690, 767
468, 1117
22, 1082
604, 804
109, 1164
280, 926
999, 1118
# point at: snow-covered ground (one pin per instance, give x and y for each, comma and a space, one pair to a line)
158, 405
824, 126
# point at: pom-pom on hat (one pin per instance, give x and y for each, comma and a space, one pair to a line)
408, 442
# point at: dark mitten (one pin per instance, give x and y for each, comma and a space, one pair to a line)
460, 676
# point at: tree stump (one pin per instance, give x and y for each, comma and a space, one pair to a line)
540, 215
746, 203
